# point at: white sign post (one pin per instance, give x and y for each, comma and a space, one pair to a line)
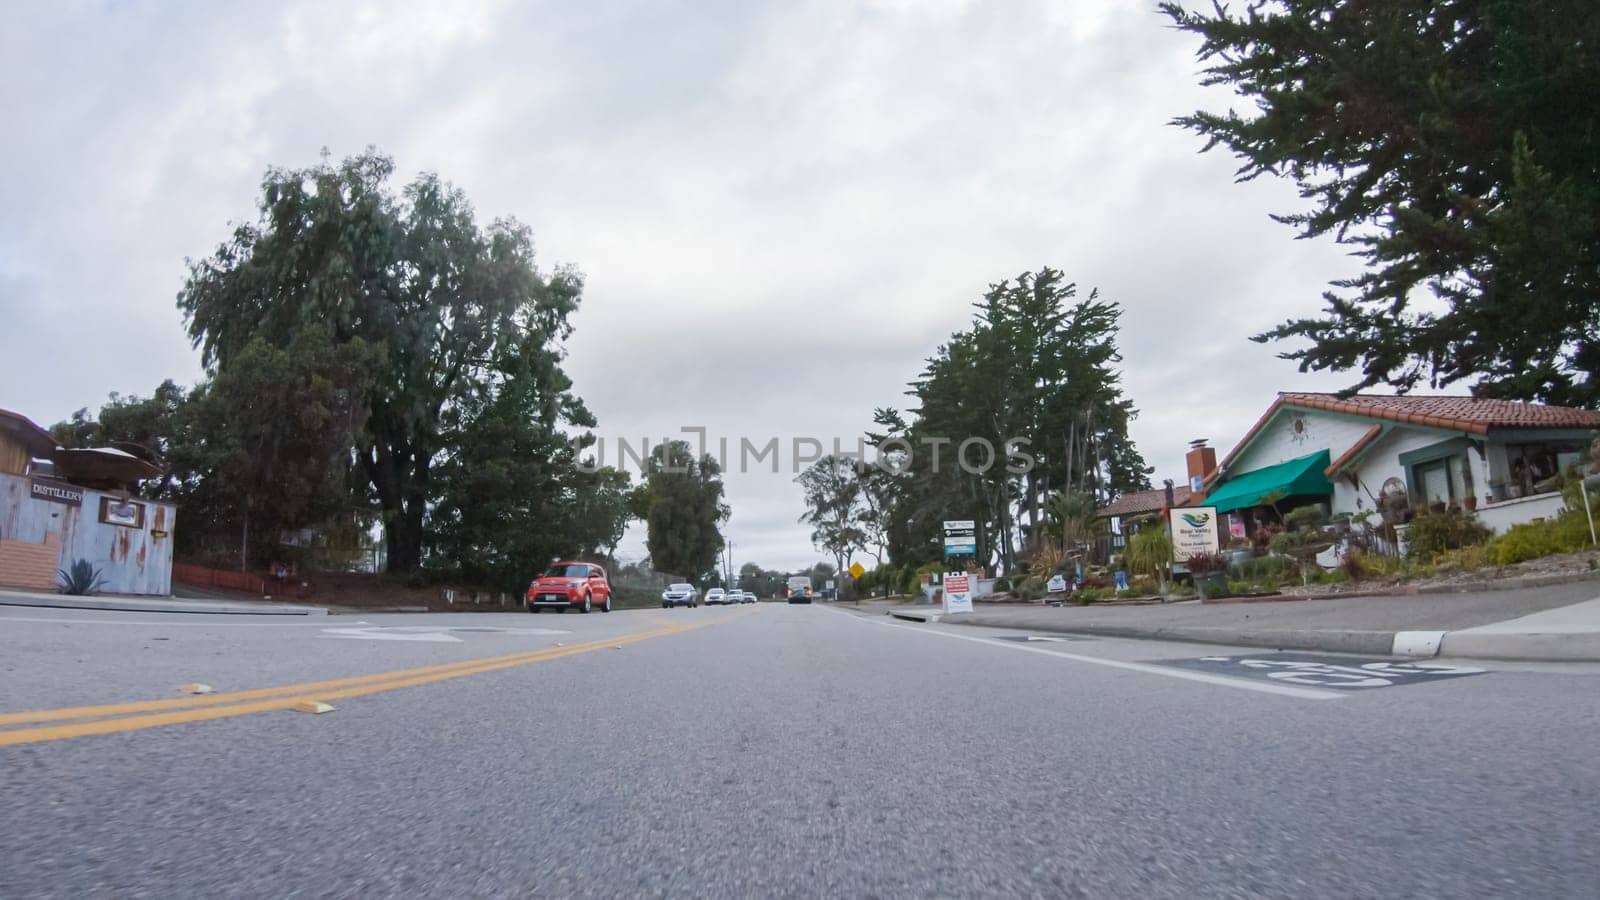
957, 592
1194, 531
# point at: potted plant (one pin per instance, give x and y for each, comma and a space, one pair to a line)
1210, 571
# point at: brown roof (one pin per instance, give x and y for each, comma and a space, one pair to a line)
1135, 502
22, 429
1476, 415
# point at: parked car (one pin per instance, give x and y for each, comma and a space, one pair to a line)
798, 589
570, 585
680, 595
717, 597
746, 597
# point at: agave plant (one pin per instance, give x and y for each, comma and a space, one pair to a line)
81, 579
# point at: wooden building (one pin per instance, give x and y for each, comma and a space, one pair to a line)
60, 506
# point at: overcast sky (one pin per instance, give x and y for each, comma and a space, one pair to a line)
742, 184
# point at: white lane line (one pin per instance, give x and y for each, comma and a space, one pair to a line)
316, 621
1182, 674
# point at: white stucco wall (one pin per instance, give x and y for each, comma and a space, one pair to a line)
1381, 462
1504, 514
1278, 441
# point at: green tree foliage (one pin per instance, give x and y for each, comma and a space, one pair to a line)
454, 309
833, 494
511, 495
271, 437
263, 449
1038, 364
683, 511
1456, 145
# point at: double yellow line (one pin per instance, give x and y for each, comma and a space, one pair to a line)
81, 721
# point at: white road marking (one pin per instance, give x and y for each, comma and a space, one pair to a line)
381, 634
1282, 690
436, 633
318, 621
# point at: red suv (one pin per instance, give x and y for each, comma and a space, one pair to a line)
575, 585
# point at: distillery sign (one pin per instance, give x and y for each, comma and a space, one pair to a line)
55, 492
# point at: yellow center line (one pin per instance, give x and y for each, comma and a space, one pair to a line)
218, 706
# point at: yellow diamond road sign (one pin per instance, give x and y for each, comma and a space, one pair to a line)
857, 570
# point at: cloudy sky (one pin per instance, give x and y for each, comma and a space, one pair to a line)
741, 184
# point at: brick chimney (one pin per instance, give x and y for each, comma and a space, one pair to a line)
1201, 461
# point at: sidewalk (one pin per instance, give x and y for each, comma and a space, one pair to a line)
122, 603
1556, 622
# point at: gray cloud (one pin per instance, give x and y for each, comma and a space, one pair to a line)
740, 184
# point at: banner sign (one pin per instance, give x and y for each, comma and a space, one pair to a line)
1194, 531
1235, 526
957, 592
55, 492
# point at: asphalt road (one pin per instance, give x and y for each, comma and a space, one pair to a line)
770, 751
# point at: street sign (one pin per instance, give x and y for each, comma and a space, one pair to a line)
857, 570
957, 592
960, 525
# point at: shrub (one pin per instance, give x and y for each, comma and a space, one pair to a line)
1328, 576
1262, 538
1359, 564
1436, 532
1306, 517
1091, 594
1032, 588
1046, 559
1271, 570
1201, 563
80, 579
1567, 533
1148, 552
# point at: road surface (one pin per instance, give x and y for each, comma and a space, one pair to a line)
769, 751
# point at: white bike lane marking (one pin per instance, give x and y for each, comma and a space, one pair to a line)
1336, 672
1237, 683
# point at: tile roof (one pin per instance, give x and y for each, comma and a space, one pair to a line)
1135, 502
1476, 415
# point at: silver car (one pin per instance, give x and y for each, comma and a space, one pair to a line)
680, 595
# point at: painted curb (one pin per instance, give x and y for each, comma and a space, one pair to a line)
1417, 644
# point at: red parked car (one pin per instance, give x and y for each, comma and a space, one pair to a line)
575, 585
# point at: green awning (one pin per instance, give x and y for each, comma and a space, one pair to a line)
1295, 478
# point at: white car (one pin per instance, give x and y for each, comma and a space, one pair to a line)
717, 596
746, 597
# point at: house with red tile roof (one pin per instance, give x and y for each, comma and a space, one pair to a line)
1498, 457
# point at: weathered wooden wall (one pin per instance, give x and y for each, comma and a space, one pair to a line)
13, 458
130, 560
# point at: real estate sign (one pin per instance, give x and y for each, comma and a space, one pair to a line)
957, 592
1194, 530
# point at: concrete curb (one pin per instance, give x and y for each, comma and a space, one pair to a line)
1401, 590
1531, 646
64, 601
1581, 646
